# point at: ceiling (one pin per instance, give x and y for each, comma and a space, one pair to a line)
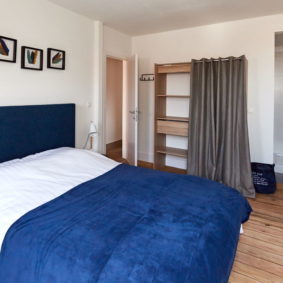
136, 17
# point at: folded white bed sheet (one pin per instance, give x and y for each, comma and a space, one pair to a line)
34, 180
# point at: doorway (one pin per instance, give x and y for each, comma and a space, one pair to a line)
120, 110
114, 109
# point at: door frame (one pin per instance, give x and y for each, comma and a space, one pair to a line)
103, 99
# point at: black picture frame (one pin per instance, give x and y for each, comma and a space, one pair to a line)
25, 64
14, 56
50, 57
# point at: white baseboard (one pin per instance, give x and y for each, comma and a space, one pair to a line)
278, 159
279, 168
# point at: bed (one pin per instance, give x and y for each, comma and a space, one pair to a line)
72, 215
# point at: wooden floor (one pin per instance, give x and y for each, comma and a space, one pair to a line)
260, 250
116, 154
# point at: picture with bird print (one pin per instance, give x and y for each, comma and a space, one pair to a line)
8, 49
56, 59
32, 58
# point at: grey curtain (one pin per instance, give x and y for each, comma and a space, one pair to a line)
218, 136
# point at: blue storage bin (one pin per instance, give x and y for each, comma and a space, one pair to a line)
264, 178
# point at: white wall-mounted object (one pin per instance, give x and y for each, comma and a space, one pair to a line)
92, 137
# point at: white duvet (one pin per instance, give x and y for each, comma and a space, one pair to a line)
32, 181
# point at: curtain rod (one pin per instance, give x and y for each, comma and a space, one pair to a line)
220, 59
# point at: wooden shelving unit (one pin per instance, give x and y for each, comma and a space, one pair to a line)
173, 151
172, 118
168, 125
173, 96
174, 68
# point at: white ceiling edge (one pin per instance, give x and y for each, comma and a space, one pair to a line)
157, 16
199, 26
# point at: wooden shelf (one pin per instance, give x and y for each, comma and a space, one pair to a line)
175, 128
173, 95
174, 68
171, 118
173, 151
170, 169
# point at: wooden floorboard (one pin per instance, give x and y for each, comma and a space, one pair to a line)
237, 277
261, 217
254, 273
260, 250
115, 153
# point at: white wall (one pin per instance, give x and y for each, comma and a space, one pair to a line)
114, 100
117, 44
278, 115
41, 24
252, 37
278, 105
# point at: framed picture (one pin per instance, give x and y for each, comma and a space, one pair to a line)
56, 59
32, 58
8, 49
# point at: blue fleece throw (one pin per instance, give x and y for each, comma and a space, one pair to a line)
128, 225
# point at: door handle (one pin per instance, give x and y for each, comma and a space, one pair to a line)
135, 111
136, 114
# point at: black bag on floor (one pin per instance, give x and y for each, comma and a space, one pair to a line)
264, 178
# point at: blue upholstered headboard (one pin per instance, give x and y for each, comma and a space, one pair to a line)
26, 130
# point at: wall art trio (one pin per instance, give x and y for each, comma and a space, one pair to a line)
31, 58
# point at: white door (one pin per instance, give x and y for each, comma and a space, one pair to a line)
132, 111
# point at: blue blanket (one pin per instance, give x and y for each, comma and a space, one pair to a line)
128, 225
